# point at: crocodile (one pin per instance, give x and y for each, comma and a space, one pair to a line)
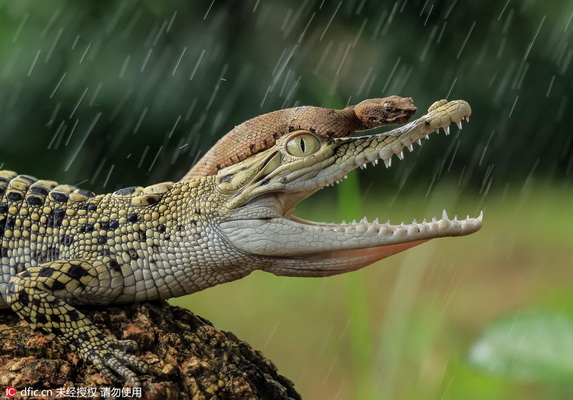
64, 247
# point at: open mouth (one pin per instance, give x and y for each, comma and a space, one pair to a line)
280, 234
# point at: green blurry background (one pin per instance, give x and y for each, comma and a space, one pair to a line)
108, 94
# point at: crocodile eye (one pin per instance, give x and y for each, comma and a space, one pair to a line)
303, 145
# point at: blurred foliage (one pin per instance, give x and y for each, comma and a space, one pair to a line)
528, 345
131, 92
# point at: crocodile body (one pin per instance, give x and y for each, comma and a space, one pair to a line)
62, 246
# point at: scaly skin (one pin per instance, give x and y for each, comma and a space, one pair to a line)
62, 246
262, 132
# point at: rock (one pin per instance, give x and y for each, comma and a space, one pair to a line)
188, 357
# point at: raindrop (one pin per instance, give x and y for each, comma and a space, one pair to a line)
174, 126
428, 16
171, 21
290, 93
343, 59
390, 19
85, 52
534, 37
155, 158
256, 5
391, 74
197, 64
34, 62
78, 103
451, 88
124, 67
108, 175
450, 9
140, 163
208, 10
568, 22
50, 23
160, 32
439, 40
429, 42
140, 120
59, 132
550, 86
75, 43
513, 106
98, 170
20, 27
146, 60
305, 28
179, 61
53, 46
217, 86
486, 147
359, 34
329, 22
115, 17
503, 10
58, 85
96, 92
466, 40
72, 132
326, 52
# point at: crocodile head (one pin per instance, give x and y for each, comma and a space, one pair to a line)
262, 191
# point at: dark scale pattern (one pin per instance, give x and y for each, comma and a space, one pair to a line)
60, 246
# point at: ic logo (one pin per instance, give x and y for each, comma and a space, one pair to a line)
10, 391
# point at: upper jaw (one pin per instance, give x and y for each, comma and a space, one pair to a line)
384, 146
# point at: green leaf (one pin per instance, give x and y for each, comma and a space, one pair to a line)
532, 345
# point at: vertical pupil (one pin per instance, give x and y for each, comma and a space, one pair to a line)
302, 145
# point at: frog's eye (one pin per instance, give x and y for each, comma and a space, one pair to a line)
303, 145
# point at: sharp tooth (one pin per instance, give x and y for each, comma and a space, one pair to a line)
444, 215
447, 130
419, 142
375, 222
424, 221
459, 123
364, 220
455, 218
467, 119
375, 162
411, 147
414, 222
401, 155
387, 162
434, 219
480, 217
363, 166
